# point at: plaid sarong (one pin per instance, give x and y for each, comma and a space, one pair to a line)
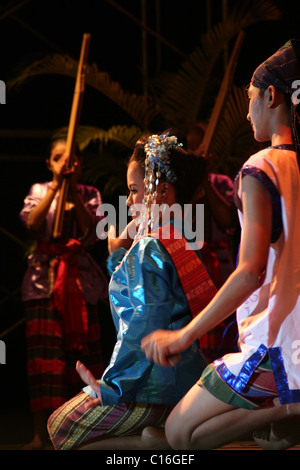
83, 419
259, 392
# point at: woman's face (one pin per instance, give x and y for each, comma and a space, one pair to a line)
135, 183
57, 152
257, 113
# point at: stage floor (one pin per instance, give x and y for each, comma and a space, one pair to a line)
16, 431
234, 446
19, 442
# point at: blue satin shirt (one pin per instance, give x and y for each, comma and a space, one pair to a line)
146, 295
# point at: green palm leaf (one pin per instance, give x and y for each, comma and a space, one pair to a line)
142, 110
233, 142
105, 167
106, 154
123, 136
184, 98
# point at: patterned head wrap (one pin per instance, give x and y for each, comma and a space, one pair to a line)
281, 69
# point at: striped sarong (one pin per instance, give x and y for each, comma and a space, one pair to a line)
83, 419
52, 378
259, 392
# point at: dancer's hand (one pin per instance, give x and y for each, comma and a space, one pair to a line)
88, 378
124, 240
163, 347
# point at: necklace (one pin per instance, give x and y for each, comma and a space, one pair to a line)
283, 147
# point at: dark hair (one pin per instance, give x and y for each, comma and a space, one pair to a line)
57, 140
188, 167
295, 118
138, 154
287, 96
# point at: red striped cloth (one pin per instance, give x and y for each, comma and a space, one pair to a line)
196, 283
67, 294
198, 288
261, 388
52, 378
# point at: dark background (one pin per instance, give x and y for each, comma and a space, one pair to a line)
31, 29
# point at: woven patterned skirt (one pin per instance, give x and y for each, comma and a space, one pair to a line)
260, 391
83, 419
52, 378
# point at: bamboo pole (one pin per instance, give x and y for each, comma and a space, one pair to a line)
222, 95
72, 131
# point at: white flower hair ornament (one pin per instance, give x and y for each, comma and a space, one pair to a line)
157, 162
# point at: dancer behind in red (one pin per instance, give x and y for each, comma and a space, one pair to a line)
61, 290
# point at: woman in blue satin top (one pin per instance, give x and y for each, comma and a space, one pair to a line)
145, 294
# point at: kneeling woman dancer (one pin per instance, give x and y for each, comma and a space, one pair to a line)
158, 283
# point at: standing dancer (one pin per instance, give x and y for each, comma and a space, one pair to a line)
61, 289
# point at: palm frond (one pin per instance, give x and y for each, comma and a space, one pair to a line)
141, 109
233, 142
251, 12
106, 170
107, 153
184, 97
124, 136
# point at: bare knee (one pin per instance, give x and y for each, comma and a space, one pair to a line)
182, 436
193, 422
177, 433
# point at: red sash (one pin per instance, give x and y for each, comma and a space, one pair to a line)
67, 296
197, 285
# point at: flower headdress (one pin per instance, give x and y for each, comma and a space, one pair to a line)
157, 162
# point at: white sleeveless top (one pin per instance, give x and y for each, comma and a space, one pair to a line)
269, 321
